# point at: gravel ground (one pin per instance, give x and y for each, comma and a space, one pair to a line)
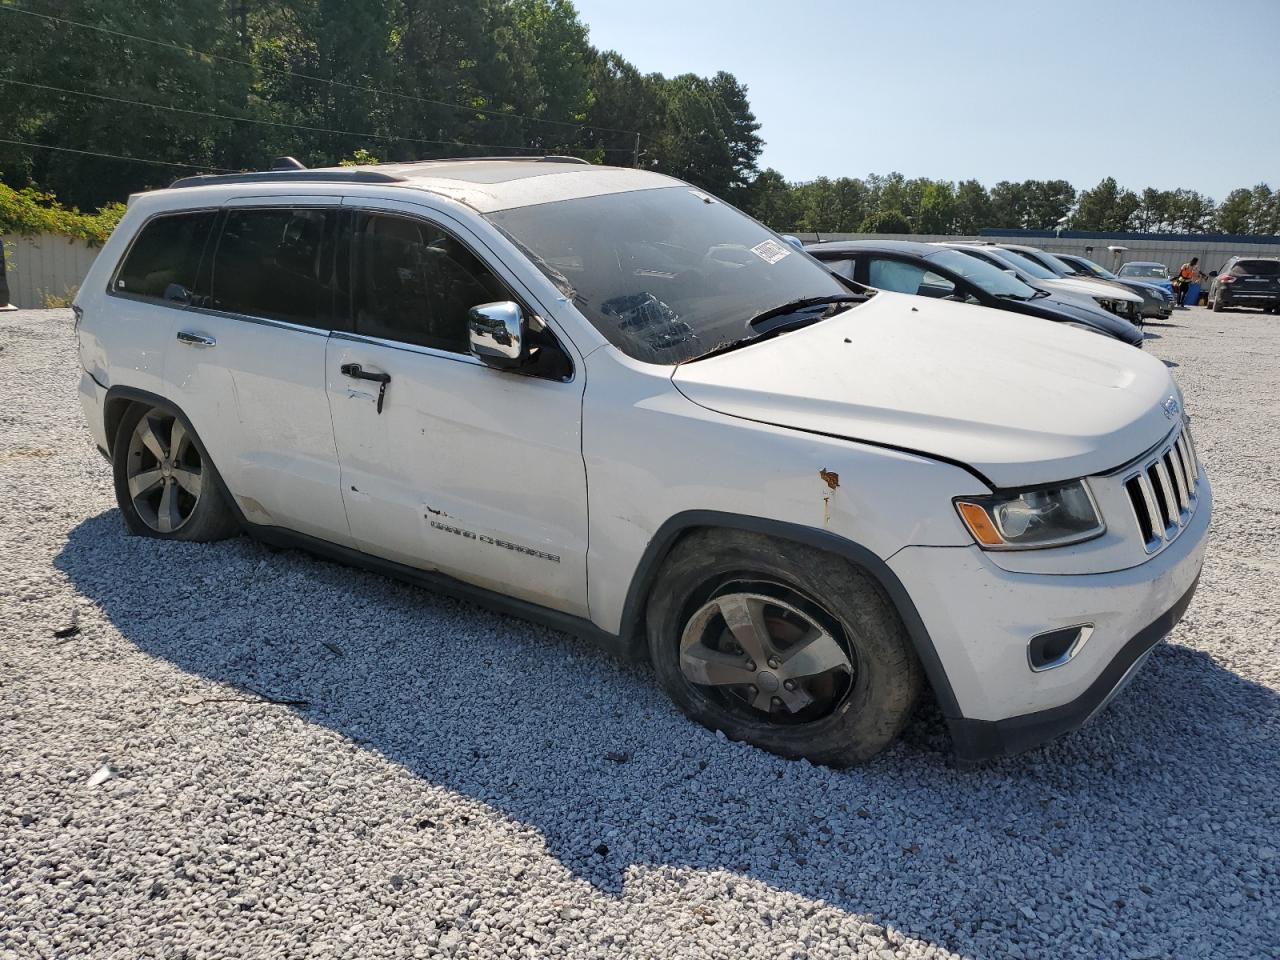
305, 760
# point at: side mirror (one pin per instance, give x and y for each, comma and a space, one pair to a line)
794, 241
496, 333
1213, 273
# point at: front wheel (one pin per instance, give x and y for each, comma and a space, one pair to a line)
782, 646
166, 485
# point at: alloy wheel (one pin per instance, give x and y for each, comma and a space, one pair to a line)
164, 472
767, 654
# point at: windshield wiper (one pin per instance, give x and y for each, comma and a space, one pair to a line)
801, 303
724, 346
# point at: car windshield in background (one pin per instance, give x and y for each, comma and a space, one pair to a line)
1054, 263
1025, 265
1096, 269
991, 279
1257, 268
666, 275
1146, 271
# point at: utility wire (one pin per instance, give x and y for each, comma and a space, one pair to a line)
276, 123
116, 156
315, 79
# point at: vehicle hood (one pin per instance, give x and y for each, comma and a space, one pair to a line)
1020, 401
1088, 312
1094, 288
1151, 289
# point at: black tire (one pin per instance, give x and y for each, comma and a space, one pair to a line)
200, 517
854, 714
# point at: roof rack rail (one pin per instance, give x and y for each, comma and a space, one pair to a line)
284, 171
289, 176
539, 158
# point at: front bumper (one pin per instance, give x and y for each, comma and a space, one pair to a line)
981, 619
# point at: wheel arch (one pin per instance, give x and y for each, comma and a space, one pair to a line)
682, 524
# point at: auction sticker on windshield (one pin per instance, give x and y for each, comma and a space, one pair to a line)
770, 251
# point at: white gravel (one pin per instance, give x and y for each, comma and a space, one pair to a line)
460, 783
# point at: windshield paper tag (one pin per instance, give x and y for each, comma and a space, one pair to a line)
770, 251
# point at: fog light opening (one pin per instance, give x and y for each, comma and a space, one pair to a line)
1053, 649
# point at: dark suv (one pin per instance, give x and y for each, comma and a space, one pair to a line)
1247, 282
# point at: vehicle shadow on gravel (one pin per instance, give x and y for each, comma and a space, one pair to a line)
1149, 822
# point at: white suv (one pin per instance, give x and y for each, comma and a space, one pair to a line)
607, 400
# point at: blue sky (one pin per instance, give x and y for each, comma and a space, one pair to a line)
1162, 93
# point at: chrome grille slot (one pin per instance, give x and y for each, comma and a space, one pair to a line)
1162, 490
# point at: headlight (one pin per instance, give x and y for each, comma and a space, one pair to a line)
1046, 517
1106, 304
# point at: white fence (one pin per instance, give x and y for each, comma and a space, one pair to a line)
1172, 253
46, 267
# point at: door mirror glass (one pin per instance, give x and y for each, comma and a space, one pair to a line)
496, 333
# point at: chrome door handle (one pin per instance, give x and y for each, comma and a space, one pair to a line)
196, 339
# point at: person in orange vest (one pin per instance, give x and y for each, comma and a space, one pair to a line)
1187, 275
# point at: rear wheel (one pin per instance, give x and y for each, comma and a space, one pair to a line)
781, 645
166, 485
1218, 306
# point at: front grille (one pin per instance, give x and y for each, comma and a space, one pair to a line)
1163, 491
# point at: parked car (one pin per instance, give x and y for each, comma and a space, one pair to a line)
606, 400
927, 270
1247, 282
1086, 293
1148, 271
1156, 300
1131, 308
1108, 296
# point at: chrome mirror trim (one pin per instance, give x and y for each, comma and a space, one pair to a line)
496, 333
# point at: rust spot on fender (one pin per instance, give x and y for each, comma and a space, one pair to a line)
831, 479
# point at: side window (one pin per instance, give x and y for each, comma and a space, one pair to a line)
846, 267
415, 283
162, 262
908, 278
933, 285
274, 263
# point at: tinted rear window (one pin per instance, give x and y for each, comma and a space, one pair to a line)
273, 263
1257, 268
166, 252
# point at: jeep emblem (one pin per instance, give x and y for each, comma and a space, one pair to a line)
1170, 408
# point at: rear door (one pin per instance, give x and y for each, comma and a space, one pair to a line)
467, 470
149, 292
247, 362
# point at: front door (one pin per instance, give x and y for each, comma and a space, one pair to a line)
471, 471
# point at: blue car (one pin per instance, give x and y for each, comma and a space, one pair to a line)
1148, 271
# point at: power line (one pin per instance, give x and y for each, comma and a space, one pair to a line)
116, 156
276, 123
314, 79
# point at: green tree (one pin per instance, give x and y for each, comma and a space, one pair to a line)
1155, 211
1106, 208
1009, 204
774, 202
1047, 202
1233, 212
937, 209
1264, 210
886, 221
972, 208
